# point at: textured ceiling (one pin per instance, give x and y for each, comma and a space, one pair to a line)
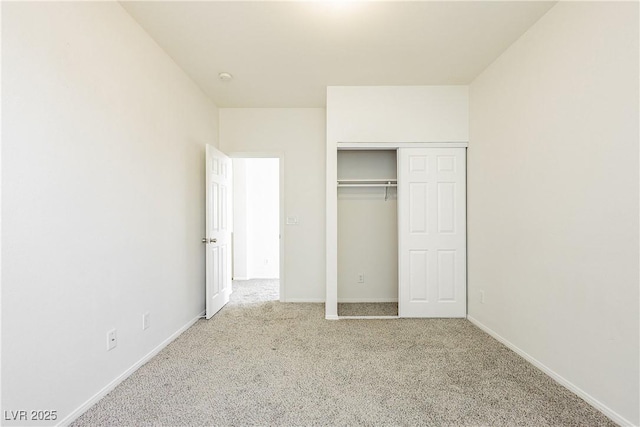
284, 54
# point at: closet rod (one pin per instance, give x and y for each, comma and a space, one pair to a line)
392, 180
369, 185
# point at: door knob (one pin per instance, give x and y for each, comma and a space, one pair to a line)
213, 240
205, 240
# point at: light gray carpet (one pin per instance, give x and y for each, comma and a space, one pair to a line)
272, 364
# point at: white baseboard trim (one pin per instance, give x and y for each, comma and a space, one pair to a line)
313, 300
240, 278
113, 384
331, 317
610, 413
365, 300
367, 317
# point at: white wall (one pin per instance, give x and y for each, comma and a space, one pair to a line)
240, 266
398, 113
299, 134
384, 114
553, 199
102, 200
259, 254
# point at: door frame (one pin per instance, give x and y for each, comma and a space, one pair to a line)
280, 156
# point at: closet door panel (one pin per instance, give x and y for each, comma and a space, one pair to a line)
446, 275
418, 209
446, 207
432, 232
419, 275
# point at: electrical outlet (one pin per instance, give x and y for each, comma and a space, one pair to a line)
482, 297
112, 339
360, 277
145, 321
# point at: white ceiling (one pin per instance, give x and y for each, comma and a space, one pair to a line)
284, 54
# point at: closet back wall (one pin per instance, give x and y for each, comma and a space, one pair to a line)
367, 228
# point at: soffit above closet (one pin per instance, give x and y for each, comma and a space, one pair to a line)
285, 53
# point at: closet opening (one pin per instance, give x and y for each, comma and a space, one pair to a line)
367, 233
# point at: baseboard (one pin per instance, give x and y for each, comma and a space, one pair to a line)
610, 413
332, 317
312, 300
240, 278
367, 317
113, 384
366, 300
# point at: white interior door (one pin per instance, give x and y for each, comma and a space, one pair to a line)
432, 232
218, 230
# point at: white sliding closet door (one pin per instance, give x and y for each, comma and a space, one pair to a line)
432, 232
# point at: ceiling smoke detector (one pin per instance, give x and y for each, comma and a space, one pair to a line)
225, 77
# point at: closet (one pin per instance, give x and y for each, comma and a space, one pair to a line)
367, 232
401, 223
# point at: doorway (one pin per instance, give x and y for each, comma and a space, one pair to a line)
257, 225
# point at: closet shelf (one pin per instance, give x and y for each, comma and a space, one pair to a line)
367, 183
381, 184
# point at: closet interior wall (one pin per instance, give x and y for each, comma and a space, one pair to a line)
367, 226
